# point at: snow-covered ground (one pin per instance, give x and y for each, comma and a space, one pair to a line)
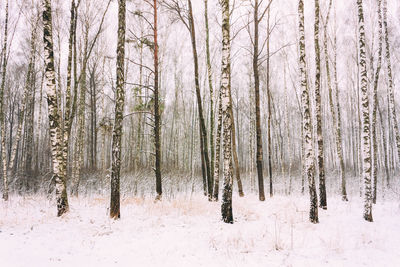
188, 232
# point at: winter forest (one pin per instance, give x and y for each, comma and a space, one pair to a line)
199, 132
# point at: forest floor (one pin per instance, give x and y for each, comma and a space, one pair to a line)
187, 231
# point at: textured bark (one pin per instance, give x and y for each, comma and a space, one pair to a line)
119, 110
375, 104
392, 105
157, 115
56, 138
2, 116
226, 207
318, 111
217, 150
68, 104
307, 122
259, 153
365, 135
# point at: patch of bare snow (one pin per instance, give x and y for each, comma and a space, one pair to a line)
188, 232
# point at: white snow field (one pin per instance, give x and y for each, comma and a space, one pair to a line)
188, 232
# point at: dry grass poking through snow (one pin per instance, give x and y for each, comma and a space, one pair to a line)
188, 232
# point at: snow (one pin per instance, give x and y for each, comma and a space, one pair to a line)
187, 231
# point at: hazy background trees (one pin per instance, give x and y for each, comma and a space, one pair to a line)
86, 85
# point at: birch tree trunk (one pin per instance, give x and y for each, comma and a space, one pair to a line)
365, 135
68, 101
218, 150
2, 117
307, 122
226, 207
318, 111
119, 110
56, 138
375, 104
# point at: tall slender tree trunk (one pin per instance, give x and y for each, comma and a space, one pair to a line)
2, 104
365, 135
119, 113
259, 157
157, 114
307, 122
269, 98
68, 115
375, 104
56, 138
235, 154
318, 111
226, 207
203, 132
210, 86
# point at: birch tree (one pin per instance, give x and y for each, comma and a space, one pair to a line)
118, 116
375, 103
217, 150
226, 207
365, 134
56, 138
307, 123
318, 111
2, 119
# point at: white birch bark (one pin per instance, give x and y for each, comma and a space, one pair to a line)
56, 138
365, 122
2, 119
226, 207
307, 123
